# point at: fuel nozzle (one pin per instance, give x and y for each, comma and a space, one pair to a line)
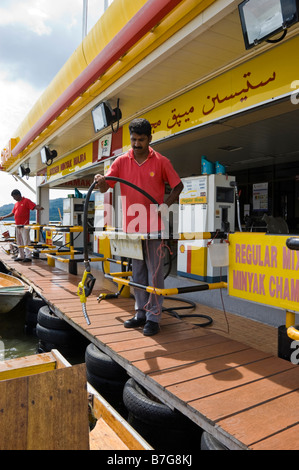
84, 290
237, 195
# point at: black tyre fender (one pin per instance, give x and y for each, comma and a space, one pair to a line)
103, 384
209, 442
33, 304
48, 319
100, 364
147, 410
49, 335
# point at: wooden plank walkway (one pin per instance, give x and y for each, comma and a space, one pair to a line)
245, 397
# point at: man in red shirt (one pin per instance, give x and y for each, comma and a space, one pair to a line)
21, 213
148, 170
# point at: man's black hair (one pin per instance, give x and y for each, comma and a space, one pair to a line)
16, 192
140, 126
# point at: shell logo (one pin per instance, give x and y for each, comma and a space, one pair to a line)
152, 173
182, 248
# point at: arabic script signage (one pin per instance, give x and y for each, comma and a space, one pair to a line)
263, 270
261, 79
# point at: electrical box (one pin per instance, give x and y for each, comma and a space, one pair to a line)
207, 204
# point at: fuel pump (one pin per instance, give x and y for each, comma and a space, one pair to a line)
73, 210
207, 204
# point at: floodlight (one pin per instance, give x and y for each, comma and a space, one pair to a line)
103, 116
24, 171
47, 155
261, 20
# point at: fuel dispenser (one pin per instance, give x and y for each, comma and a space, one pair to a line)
73, 210
206, 204
104, 217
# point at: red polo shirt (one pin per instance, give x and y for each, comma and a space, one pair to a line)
139, 213
22, 210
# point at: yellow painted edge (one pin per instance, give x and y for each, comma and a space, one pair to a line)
29, 370
118, 424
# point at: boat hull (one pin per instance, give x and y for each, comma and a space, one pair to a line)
9, 301
12, 291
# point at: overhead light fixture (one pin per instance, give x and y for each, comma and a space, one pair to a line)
261, 20
47, 155
24, 171
103, 116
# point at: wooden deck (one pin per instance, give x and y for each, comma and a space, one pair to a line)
245, 397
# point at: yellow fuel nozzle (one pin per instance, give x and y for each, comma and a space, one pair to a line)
84, 290
81, 291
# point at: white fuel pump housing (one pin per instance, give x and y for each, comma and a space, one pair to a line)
73, 210
207, 204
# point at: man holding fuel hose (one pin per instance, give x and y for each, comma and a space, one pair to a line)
148, 170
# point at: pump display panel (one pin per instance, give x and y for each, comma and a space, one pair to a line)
224, 194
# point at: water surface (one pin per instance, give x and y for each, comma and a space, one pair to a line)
14, 340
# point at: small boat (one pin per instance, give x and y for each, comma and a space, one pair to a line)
12, 290
47, 404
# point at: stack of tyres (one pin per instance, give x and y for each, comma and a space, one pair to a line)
162, 427
55, 333
106, 376
33, 305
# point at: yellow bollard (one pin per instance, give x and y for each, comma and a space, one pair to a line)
125, 292
51, 261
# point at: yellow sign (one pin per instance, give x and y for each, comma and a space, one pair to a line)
193, 200
258, 80
73, 162
262, 269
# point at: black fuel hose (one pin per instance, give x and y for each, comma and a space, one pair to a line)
85, 238
85, 214
293, 243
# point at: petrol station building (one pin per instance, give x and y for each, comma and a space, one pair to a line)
222, 98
